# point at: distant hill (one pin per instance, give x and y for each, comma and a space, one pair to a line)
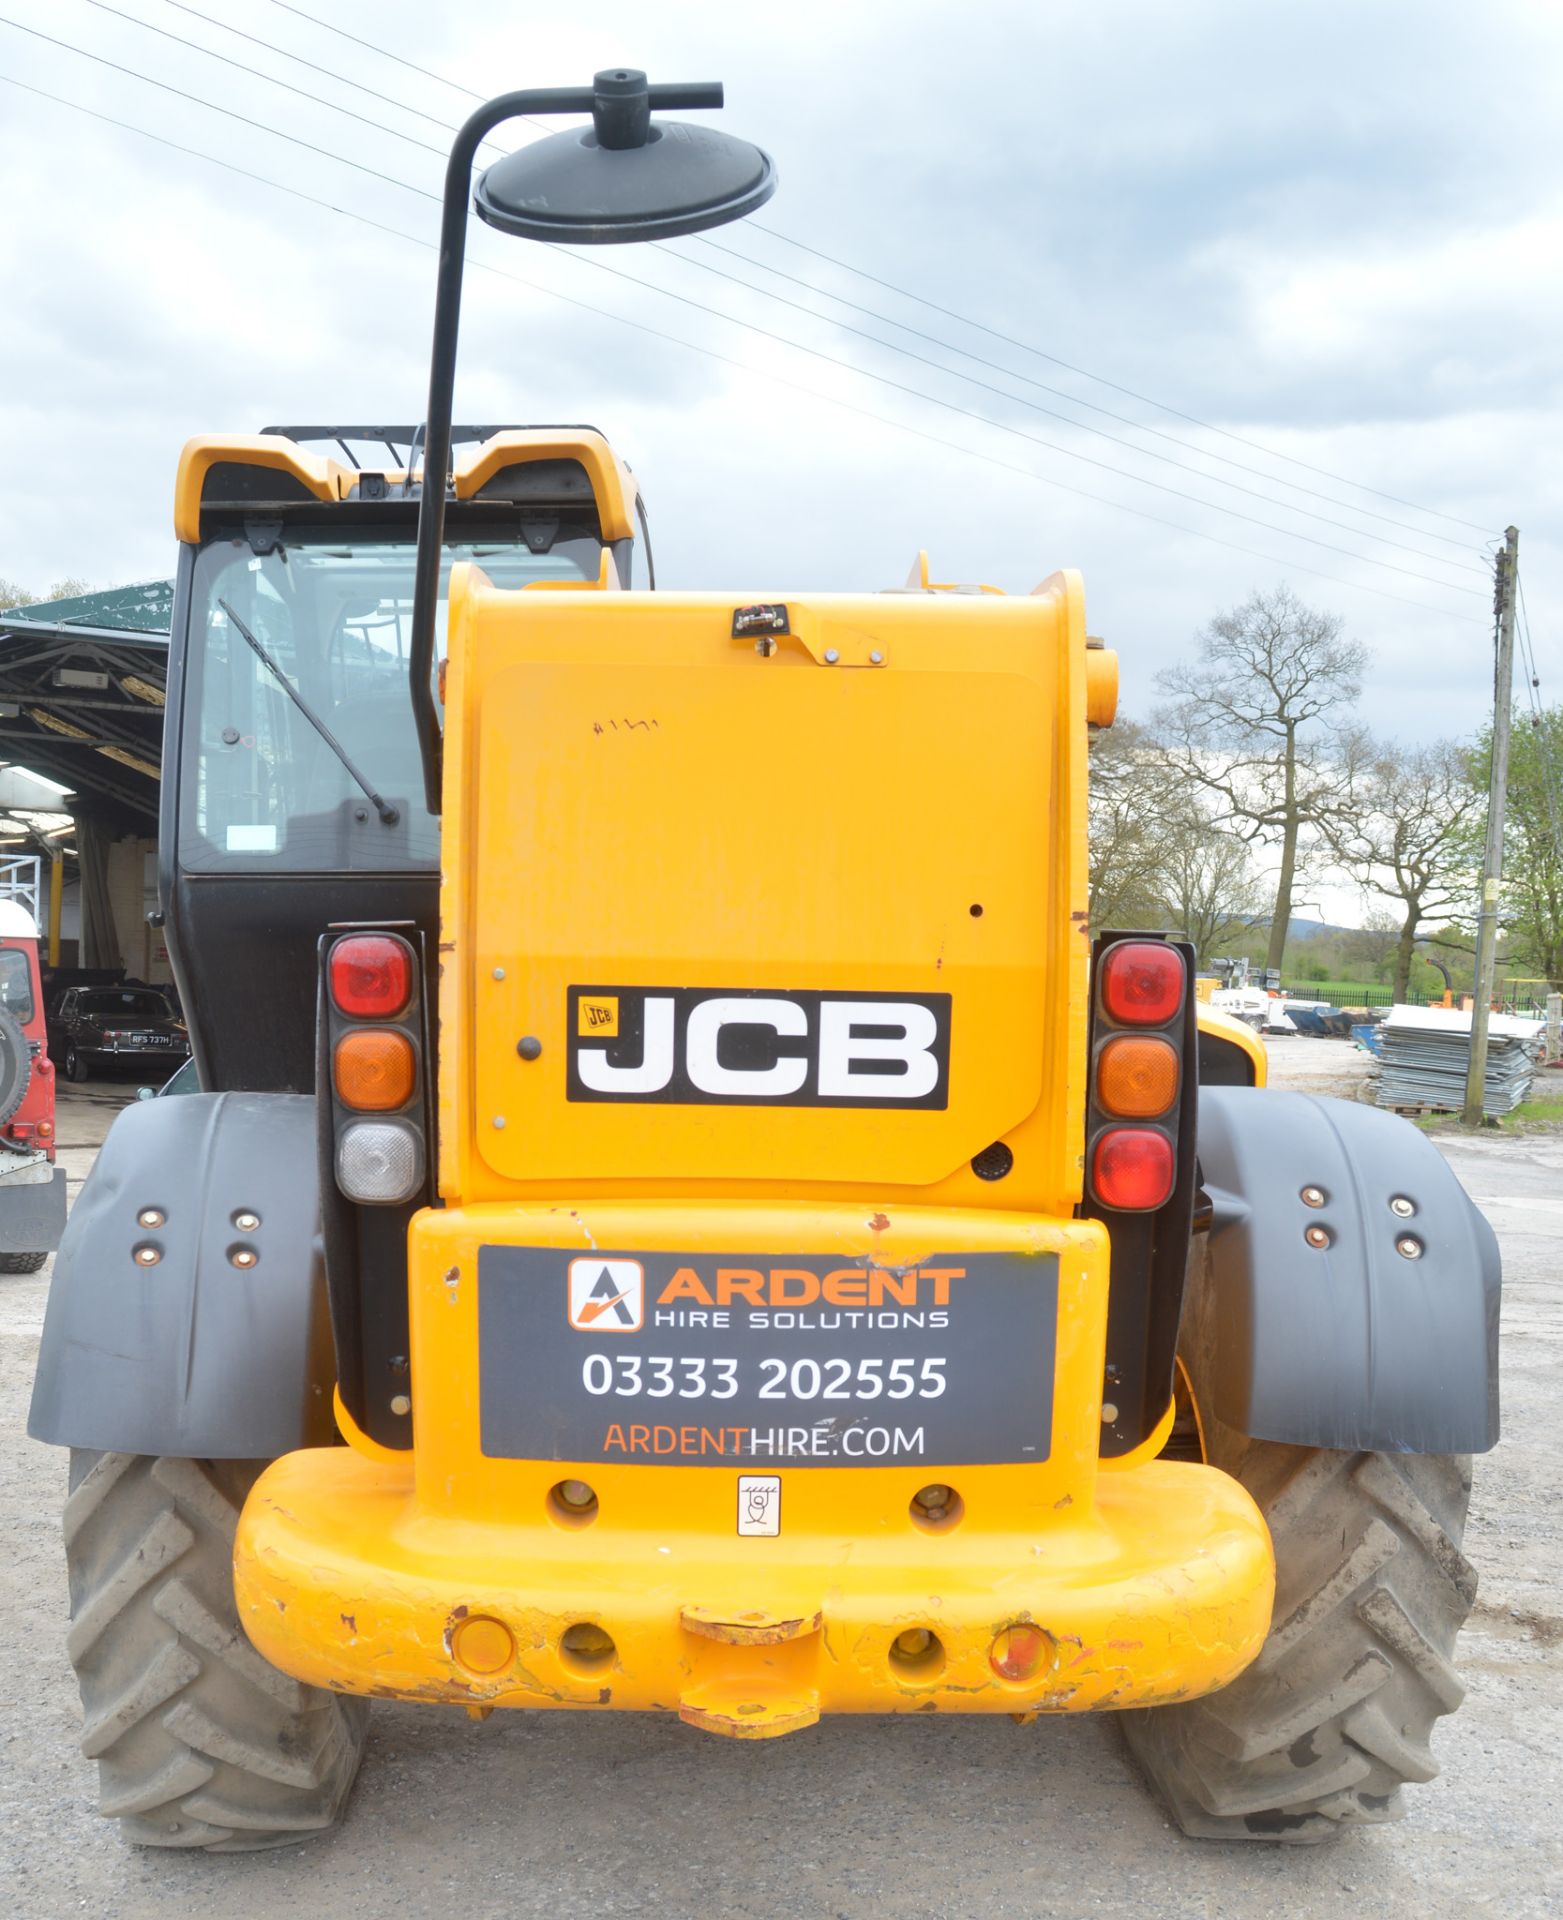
1314, 929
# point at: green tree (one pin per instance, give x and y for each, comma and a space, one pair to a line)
1408, 836
1532, 899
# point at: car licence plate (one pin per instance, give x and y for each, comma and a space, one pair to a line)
697, 1359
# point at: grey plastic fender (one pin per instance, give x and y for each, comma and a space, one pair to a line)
195, 1353
1353, 1344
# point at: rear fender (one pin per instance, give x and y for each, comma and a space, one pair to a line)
199, 1352
1352, 1344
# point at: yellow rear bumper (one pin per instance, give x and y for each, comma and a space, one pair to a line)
1162, 1591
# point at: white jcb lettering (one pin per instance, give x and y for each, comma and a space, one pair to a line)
843, 1050
656, 1060
703, 1038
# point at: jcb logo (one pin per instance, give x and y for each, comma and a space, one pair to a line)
692, 1046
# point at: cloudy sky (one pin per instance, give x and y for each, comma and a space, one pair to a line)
1278, 291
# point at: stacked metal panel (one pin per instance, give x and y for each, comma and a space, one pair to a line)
1425, 1053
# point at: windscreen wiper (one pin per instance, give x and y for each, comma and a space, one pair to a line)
389, 814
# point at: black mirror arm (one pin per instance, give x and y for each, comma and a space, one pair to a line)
621, 118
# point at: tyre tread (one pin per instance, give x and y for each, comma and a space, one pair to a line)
200, 1743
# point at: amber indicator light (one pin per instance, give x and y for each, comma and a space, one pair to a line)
374, 1070
1137, 1076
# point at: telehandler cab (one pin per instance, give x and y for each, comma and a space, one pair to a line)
686, 1215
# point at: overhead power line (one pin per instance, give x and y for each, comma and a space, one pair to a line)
1130, 393
1538, 721
1468, 560
1107, 413
780, 339
316, 99
949, 313
774, 299
711, 353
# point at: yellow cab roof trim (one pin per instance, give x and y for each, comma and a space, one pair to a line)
326, 479
612, 483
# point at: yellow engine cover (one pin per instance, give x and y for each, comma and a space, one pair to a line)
646, 814
737, 1389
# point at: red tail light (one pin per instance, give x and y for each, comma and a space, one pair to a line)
371, 976
1133, 1168
1142, 983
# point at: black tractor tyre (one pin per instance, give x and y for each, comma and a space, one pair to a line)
199, 1741
75, 1067
22, 1262
1337, 1712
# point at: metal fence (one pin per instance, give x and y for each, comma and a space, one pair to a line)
1341, 993
1525, 997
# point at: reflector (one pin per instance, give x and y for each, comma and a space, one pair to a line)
1137, 1076
1142, 982
1132, 1169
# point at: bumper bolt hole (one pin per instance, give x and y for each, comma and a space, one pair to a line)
936, 1508
917, 1653
572, 1503
586, 1648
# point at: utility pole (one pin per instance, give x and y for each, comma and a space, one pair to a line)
1504, 596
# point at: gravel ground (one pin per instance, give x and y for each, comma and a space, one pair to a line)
567, 1815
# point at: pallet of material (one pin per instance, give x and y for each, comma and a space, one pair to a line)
1426, 1053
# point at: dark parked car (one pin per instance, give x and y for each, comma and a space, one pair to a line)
91, 1028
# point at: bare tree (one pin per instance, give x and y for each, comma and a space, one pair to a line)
1408, 836
1127, 827
1260, 722
1209, 892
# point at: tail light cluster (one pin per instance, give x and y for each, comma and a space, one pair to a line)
374, 1048
1140, 1038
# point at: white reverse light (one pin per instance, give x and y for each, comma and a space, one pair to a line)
379, 1161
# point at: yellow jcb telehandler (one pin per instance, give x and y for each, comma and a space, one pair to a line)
683, 1214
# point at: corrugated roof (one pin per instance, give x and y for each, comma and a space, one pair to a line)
145, 610
81, 696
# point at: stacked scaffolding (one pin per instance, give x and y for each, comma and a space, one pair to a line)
1425, 1053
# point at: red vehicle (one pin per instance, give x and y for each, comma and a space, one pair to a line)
32, 1187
